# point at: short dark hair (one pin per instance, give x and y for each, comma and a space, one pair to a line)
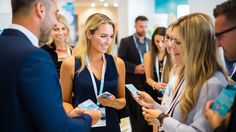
22, 6
227, 8
141, 18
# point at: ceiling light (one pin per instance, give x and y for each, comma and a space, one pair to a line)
106, 4
115, 4
93, 5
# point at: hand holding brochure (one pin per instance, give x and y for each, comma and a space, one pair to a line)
132, 89
88, 105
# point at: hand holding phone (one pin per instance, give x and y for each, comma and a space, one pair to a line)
132, 89
225, 100
106, 95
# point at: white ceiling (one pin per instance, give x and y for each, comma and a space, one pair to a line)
89, 2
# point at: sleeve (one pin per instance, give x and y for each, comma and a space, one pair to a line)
158, 106
40, 93
209, 91
123, 54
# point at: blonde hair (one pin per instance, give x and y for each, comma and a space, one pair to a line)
60, 18
91, 25
200, 57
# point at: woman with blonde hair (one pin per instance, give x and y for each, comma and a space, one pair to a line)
204, 78
59, 45
93, 71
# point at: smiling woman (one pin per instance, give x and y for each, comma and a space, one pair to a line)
94, 71
59, 45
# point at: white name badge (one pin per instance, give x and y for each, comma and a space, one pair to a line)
102, 121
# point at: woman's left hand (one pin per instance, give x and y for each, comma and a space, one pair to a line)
150, 115
108, 102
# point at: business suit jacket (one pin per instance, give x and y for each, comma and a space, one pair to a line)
30, 94
130, 55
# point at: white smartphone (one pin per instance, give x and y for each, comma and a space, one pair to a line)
132, 89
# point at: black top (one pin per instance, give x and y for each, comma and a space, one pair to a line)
52, 52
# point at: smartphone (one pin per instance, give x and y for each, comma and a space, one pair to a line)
106, 95
132, 89
88, 105
225, 100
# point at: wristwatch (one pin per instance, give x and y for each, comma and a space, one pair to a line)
160, 118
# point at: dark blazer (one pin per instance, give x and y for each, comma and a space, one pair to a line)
130, 55
30, 94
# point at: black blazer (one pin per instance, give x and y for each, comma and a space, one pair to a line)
30, 93
130, 55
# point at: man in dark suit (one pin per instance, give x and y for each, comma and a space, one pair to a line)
225, 27
132, 50
30, 94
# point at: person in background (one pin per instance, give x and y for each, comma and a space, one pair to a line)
59, 46
157, 64
30, 94
131, 51
225, 28
92, 71
203, 77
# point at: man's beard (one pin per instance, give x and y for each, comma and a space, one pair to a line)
44, 36
141, 34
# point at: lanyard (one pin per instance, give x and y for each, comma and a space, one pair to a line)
92, 76
160, 79
140, 54
233, 72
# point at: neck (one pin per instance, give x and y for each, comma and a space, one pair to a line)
95, 57
31, 26
161, 55
60, 45
141, 38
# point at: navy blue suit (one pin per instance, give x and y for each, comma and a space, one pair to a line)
30, 94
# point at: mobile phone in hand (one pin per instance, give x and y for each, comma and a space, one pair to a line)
225, 100
132, 89
106, 95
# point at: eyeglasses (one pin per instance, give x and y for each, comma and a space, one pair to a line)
225, 31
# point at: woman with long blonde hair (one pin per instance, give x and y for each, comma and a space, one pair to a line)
93, 71
203, 76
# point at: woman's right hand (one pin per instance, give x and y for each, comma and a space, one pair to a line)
144, 100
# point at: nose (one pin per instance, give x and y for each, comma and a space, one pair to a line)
218, 43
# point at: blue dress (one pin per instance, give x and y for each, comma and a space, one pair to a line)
83, 90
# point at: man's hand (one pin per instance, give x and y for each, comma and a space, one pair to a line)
139, 69
95, 114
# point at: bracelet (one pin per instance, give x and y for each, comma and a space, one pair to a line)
161, 117
153, 87
114, 103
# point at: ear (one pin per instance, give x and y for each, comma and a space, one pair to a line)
40, 10
88, 34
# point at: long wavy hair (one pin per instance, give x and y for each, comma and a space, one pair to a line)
154, 52
91, 25
200, 57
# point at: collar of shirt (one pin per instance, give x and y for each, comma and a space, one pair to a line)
33, 39
137, 39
